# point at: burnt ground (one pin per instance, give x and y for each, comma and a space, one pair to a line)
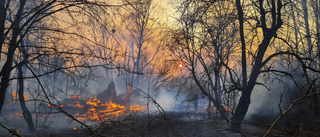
186, 124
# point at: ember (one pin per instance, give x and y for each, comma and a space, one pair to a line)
16, 115
15, 97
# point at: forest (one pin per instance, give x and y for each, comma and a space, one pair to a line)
159, 68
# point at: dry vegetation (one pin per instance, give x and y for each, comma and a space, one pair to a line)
190, 124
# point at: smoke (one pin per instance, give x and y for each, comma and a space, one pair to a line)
166, 100
266, 104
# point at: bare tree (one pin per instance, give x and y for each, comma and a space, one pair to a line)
269, 32
44, 55
204, 45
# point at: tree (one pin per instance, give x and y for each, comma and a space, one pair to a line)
139, 31
20, 18
269, 31
204, 44
140, 24
22, 21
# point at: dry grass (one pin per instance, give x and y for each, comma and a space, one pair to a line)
186, 125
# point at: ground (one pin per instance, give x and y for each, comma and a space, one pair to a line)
185, 124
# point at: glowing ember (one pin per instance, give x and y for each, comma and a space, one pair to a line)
75, 97
228, 109
180, 65
15, 97
16, 115
136, 108
49, 105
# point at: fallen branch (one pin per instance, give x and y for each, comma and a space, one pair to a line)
295, 102
12, 131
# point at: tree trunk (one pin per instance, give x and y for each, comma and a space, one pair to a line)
216, 103
244, 101
2, 23
268, 34
306, 20
26, 113
7, 67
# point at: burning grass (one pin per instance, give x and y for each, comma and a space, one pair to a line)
116, 119
187, 124
95, 110
90, 109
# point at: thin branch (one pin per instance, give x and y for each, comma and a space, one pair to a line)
12, 131
295, 102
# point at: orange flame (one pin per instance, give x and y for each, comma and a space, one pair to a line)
74, 96
16, 115
95, 110
15, 97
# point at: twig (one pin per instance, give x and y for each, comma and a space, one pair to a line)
280, 104
12, 131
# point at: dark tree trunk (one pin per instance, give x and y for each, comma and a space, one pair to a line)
307, 28
268, 34
2, 23
25, 111
220, 108
218, 100
7, 67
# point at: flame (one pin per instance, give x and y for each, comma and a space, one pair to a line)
96, 110
16, 115
15, 97
74, 96
136, 108
79, 106
228, 109
91, 109
74, 128
49, 105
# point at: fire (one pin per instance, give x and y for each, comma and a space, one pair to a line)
15, 97
74, 96
95, 110
49, 105
92, 109
16, 115
136, 108
79, 106
228, 109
